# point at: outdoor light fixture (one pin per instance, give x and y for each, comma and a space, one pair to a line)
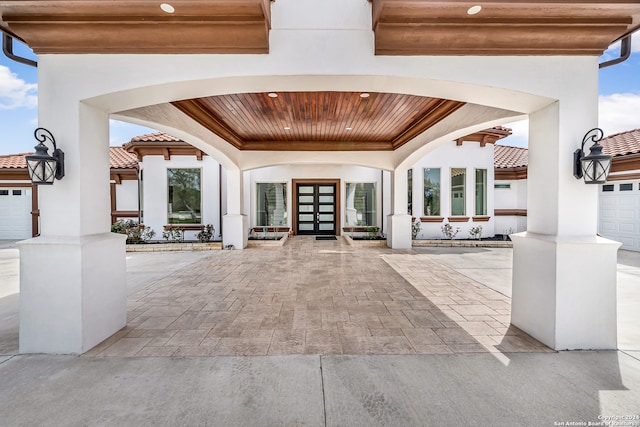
44, 169
595, 167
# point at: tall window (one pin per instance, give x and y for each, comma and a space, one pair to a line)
271, 204
431, 191
481, 191
458, 178
361, 204
184, 196
410, 191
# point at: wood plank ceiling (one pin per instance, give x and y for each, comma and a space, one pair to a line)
139, 26
501, 27
317, 121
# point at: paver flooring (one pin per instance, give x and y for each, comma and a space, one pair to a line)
316, 297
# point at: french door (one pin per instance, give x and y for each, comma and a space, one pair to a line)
316, 208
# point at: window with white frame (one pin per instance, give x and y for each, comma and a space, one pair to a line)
481, 191
458, 179
271, 204
184, 198
361, 204
431, 189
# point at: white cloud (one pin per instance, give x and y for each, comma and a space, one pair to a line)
619, 112
15, 92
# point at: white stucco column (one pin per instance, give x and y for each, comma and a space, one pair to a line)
564, 275
235, 223
72, 277
399, 222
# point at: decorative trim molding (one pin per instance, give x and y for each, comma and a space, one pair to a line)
510, 212
458, 219
431, 218
482, 218
510, 173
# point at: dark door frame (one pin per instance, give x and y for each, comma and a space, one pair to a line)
294, 186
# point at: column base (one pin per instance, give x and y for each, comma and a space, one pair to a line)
235, 231
399, 231
564, 290
73, 292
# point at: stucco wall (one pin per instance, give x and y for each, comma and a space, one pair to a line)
470, 156
155, 192
127, 195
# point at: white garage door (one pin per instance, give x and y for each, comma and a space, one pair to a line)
15, 213
619, 213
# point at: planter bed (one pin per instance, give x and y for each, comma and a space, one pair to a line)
464, 243
262, 243
364, 241
184, 246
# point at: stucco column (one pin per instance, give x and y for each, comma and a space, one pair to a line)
72, 277
399, 222
564, 275
235, 223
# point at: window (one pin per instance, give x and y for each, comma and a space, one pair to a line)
410, 191
458, 177
481, 191
184, 196
502, 186
626, 187
4, 192
608, 187
271, 204
17, 192
361, 204
431, 191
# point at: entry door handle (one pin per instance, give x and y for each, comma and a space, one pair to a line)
318, 217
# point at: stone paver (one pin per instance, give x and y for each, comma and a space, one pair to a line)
316, 297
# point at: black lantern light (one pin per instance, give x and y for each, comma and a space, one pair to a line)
595, 167
44, 169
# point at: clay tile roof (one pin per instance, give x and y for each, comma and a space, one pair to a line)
13, 161
155, 137
119, 158
622, 143
510, 157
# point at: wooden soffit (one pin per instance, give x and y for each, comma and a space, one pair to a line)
139, 26
317, 121
426, 27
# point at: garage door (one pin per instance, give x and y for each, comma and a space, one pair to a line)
619, 213
15, 213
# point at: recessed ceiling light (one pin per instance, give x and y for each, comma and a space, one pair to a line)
364, 95
166, 7
474, 9
272, 95
287, 128
348, 128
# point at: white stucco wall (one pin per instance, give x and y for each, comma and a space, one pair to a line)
511, 198
469, 156
346, 174
127, 195
155, 191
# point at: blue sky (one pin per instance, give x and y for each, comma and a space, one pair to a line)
619, 103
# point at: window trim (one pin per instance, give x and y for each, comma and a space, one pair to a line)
464, 192
424, 205
286, 203
375, 189
200, 170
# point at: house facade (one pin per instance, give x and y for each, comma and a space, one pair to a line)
163, 182
388, 82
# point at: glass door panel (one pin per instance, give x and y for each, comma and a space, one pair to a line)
316, 212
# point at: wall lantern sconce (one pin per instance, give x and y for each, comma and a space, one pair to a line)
595, 167
44, 169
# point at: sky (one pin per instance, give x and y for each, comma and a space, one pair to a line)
619, 103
